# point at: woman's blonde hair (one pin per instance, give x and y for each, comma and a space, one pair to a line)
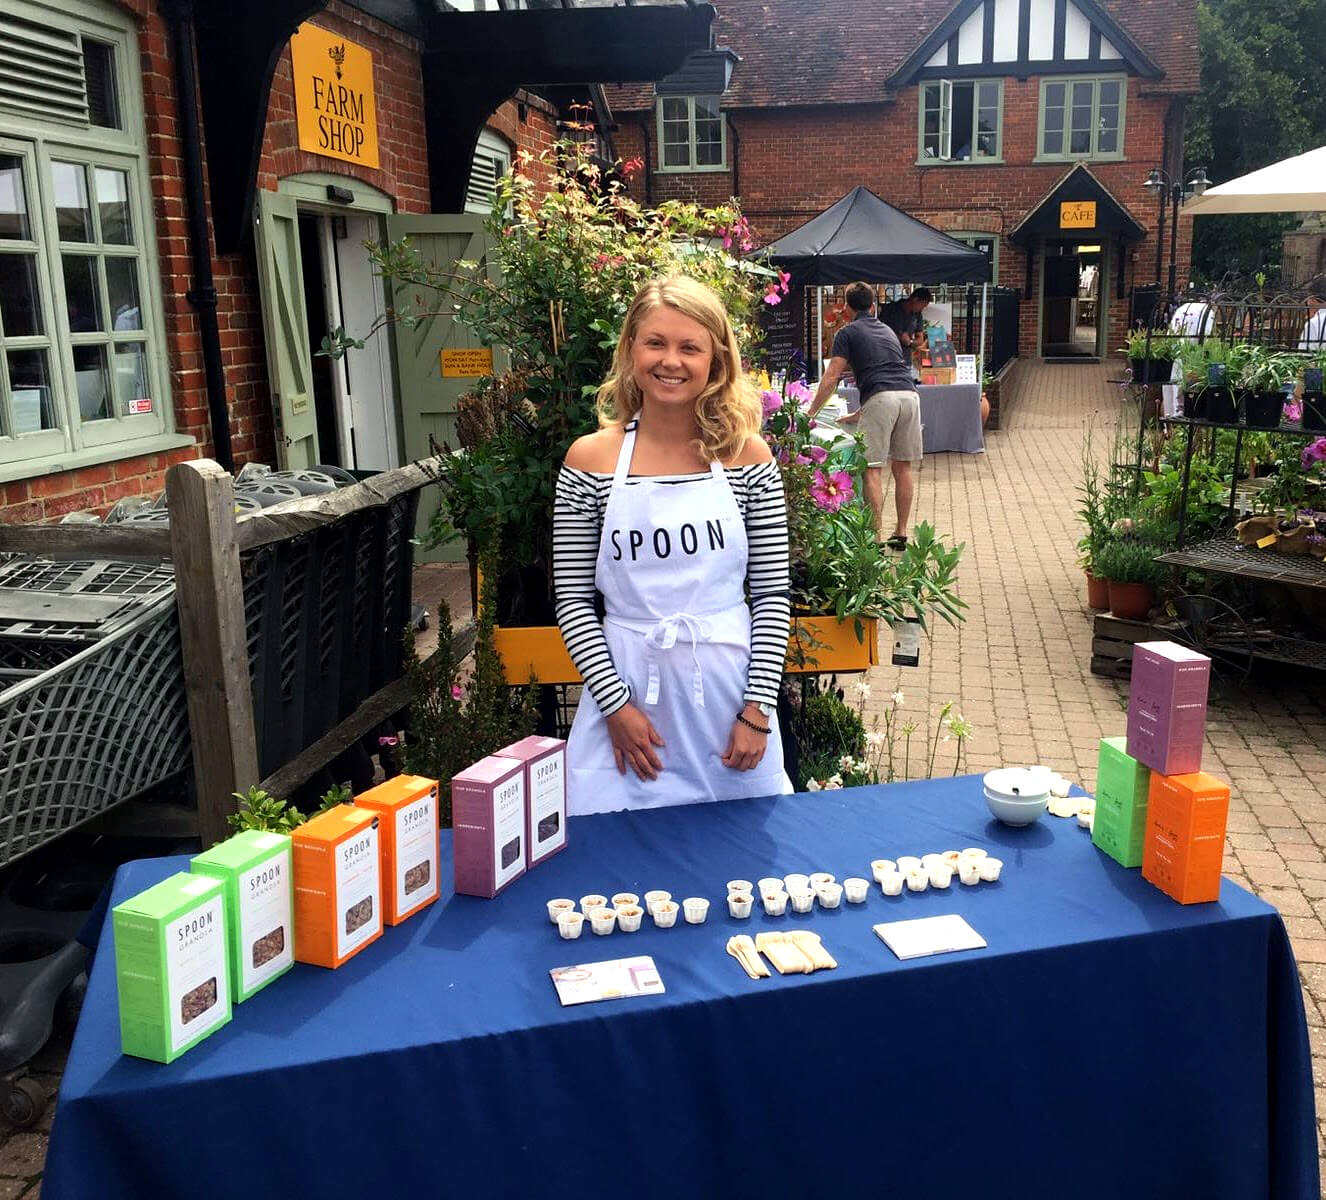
728, 410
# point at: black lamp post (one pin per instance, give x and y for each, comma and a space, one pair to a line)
1177, 192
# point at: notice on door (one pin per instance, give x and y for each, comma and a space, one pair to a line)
334, 105
467, 364
1077, 214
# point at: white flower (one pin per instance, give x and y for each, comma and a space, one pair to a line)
846, 763
833, 783
874, 738
897, 699
812, 785
861, 688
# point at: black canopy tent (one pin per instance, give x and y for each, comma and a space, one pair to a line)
864, 237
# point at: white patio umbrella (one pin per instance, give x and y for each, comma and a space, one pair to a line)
1295, 184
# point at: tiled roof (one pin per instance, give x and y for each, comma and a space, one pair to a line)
794, 52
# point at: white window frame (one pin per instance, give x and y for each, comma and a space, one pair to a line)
38, 140
945, 131
971, 237
690, 166
1093, 153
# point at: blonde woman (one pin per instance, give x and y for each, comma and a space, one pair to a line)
674, 512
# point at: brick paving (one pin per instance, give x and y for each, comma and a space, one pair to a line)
1018, 670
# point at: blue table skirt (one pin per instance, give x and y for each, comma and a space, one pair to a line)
950, 417
1108, 1043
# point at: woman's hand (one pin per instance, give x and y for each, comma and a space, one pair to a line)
633, 740
746, 747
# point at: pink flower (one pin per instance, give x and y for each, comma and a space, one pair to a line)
770, 401
772, 297
783, 280
802, 461
455, 691
1313, 453
818, 454
799, 392
831, 492
1293, 411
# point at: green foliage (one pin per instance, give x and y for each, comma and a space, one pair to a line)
338, 793
1264, 370
838, 567
827, 730
1153, 344
1260, 100
1208, 494
261, 810
453, 724
561, 272
1130, 560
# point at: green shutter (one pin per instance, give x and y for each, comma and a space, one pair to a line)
285, 330
428, 400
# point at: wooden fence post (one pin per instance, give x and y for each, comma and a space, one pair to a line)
209, 593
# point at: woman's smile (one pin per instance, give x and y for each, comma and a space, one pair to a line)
671, 357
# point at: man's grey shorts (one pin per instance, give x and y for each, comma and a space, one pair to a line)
891, 424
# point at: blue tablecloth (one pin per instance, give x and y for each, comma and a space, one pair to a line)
950, 417
1108, 1043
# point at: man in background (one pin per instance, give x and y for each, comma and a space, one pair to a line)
904, 317
890, 413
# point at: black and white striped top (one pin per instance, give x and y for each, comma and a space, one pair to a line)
582, 498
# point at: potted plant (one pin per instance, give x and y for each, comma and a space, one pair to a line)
1260, 377
1314, 393
1128, 562
1095, 518
842, 585
1150, 355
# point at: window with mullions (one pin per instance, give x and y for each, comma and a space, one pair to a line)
81, 360
691, 134
1081, 118
960, 122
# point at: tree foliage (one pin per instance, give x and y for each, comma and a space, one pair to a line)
1261, 100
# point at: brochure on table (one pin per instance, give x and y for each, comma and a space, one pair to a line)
929, 935
612, 980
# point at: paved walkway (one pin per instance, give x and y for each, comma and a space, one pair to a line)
1018, 670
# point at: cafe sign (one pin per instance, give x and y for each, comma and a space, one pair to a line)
334, 107
1077, 214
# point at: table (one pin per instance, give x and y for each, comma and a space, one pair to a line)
1109, 1042
950, 417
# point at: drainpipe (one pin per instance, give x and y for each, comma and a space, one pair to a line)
736, 157
202, 293
648, 168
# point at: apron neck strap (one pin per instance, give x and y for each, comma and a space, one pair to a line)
624, 455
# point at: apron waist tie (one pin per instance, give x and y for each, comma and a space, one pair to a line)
663, 636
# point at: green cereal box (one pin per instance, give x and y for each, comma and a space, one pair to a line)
170, 966
254, 866
1122, 785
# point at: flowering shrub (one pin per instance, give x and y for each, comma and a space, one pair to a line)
837, 566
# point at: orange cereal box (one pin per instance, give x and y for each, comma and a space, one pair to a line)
1184, 846
338, 885
407, 836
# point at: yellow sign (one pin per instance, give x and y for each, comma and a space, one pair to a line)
334, 106
466, 364
1077, 214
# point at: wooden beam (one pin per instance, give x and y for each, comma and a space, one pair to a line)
209, 594
294, 517
87, 541
376, 709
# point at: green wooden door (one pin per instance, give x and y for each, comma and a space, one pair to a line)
428, 398
285, 330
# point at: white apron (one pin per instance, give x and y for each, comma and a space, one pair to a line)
672, 568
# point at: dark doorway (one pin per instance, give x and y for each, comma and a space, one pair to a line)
315, 310
1072, 300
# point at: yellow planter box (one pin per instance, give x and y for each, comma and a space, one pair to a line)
538, 649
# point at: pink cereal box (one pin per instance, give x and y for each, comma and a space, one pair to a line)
1167, 707
488, 825
545, 795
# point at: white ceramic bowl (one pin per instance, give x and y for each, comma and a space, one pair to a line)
1016, 795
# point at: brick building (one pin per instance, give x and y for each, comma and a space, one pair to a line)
185, 190
1025, 127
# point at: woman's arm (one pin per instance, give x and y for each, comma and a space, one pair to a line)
577, 526
769, 577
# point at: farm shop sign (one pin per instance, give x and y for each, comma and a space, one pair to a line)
334, 106
1077, 214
